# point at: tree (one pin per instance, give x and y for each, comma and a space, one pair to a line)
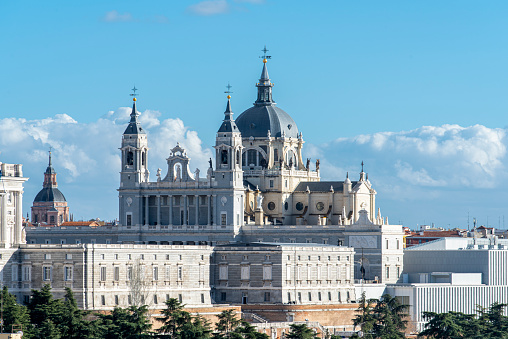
173, 318
126, 323
15, 314
247, 331
139, 285
197, 328
390, 318
365, 319
301, 331
227, 324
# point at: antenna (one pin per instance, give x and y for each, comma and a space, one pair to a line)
229, 89
134, 91
264, 56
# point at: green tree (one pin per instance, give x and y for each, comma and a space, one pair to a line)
227, 324
365, 319
247, 331
126, 323
301, 331
173, 319
46, 313
196, 328
15, 314
390, 318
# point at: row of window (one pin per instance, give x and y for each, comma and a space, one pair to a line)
47, 273
155, 299
309, 257
142, 257
320, 295
135, 272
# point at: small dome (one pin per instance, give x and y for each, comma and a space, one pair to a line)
49, 194
259, 119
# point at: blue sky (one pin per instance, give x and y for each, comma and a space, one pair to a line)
416, 89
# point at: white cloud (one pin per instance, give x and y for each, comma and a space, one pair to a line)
114, 16
448, 155
86, 155
209, 7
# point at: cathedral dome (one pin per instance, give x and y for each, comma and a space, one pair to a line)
258, 120
265, 116
49, 194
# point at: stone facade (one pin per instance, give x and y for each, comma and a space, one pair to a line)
263, 273
11, 203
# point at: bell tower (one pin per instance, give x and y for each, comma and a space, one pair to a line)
134, 152
228, 172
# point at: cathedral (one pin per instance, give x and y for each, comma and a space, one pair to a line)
49, 206
258, 177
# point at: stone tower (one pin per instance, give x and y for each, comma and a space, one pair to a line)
50, 206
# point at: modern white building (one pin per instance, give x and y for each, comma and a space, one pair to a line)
453, 274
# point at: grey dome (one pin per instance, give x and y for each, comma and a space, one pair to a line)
49, 194
259, 119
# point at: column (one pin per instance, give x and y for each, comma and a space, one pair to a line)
19, 219
184, 210
209, 210
170, 198
4, 218
197, 210
147, 215
158, 209
214, 202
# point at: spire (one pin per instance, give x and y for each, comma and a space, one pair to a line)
264, 85
134, 125
362, 174
50, 174
228, 125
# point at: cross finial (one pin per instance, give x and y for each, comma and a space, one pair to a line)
229, 89
264, 56
134, 91
362, 165
50, 148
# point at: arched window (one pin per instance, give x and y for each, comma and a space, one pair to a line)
253, 157
291, 160
130, 158
224, 157
238, 157
143, 158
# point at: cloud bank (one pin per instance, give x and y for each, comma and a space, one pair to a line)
86, 155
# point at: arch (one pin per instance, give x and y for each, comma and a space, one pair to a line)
290, 157
177, 171
254, 156
130, 158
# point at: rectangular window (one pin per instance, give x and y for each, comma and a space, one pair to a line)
202, 298
103, 273
116, 256
398, 243
180, 299
267, 296
180, 273
68, 273
47, 256
129, 219
129, 272
223, 272
223, 219
129, 256
27, 256
14, 269
275, 155
116, 300
398, 272
289, 297
300, 297
167, 297
271, 183
103, 256
387, 272
26, 273
46, 273
319, 296
168, 272
129, 299
117, 273
103, 300
245, 272
338, 297
267, 272
155, 273
329, 296
310, 296
386, 243
155, 301
222, 296
68, 256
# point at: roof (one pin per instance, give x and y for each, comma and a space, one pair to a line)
80, 223
134, 126
48, 194
437, 234
322, 186
228, 125
258, 120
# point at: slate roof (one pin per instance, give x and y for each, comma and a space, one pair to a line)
322, 186
49, 194
134, 126
257, 120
